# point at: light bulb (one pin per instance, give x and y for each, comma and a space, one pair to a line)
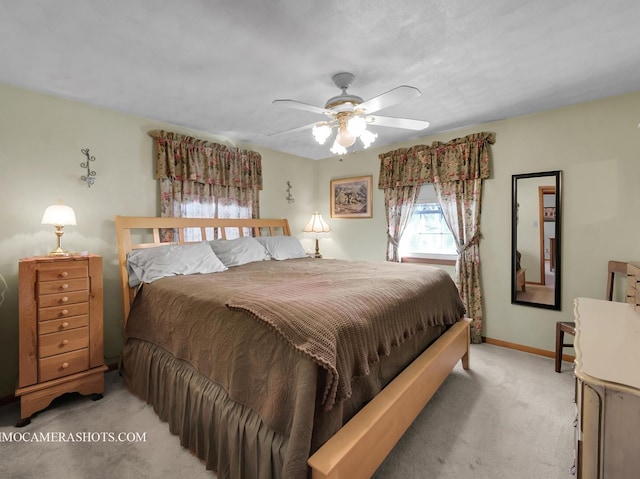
321, 131
367, 138
356, 125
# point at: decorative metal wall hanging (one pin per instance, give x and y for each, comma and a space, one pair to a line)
290, 197
89, 178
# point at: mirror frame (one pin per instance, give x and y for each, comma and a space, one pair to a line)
558, 241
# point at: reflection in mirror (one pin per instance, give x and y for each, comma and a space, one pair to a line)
535, 239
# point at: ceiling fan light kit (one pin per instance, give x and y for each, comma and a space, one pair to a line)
350, 115
321, 131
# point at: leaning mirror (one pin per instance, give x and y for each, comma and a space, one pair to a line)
535, 239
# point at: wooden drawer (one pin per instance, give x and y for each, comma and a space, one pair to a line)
62, 286
65, 324
63, 342
633, 269
60, 312
63, 364
60, 299
54, 271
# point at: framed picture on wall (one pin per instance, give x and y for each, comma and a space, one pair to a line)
351, 197
549, 213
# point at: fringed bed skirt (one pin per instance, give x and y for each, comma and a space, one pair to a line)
208, 423
231, 438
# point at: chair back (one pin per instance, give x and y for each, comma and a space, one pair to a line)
614, 267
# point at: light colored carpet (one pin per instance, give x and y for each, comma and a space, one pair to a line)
510, 416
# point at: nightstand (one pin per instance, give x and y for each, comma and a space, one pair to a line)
60, 330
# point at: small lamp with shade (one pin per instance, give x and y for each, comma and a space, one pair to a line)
319, 228
59, 216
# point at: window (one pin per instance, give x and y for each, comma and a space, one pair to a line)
226, 209
427, 234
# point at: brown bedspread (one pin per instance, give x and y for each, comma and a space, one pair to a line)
257, 384
347, 317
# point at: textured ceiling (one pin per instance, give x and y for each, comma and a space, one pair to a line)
216, 66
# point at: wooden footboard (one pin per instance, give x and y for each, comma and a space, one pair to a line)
359, 448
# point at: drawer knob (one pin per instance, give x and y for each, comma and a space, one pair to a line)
65, 286
65, 325
65, 342
64, 312
64, 274
65, 365
64, 299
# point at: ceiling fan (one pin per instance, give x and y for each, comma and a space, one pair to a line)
351, 115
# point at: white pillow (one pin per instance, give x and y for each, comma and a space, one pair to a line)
282, 247
239, 251
150, 264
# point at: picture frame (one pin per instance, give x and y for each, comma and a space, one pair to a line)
352, 197
549, 213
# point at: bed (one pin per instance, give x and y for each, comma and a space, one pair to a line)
223, 359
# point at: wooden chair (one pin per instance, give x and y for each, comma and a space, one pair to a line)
569, 327
614, 267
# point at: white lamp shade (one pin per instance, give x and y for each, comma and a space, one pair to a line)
321, 132
367, 138
356, 125
337, 148
59, 215
317, 224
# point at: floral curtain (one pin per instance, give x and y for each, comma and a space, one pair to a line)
399, 204
457, 160
457, 169
460, 202
201, 179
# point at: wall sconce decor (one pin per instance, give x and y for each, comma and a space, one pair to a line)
89, 178
290, 198
59, 216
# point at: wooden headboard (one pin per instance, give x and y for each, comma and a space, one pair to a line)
147, 229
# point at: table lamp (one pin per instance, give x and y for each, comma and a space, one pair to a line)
319, 227
59, 216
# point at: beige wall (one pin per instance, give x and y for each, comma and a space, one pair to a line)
597, 145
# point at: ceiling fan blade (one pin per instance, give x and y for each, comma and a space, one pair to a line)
292, 130
390, 98
392, 122
302, 106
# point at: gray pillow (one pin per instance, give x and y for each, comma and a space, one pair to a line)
282, 247
149, 264
239, 251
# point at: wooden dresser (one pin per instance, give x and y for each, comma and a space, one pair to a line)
60, 330
607, 389
633, 284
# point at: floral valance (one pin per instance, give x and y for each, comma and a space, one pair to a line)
185, 158
460, 159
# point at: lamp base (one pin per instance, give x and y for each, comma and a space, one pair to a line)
317, 255
59, 251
